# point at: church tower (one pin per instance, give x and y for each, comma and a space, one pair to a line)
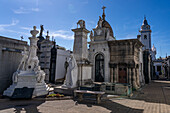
145, 37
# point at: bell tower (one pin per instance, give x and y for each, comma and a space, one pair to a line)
145, 37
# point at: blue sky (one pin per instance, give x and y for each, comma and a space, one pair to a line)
60, 16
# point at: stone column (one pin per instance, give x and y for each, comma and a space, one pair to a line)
130, 74
137, 75
134, 79
114, 75
117, 74
111, 74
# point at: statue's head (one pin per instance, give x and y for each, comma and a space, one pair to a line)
34, 27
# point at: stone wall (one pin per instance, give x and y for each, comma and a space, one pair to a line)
10, 56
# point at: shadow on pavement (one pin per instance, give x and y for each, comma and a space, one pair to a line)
29, 106
111, 106
158, 91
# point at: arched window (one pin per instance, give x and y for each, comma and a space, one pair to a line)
99, 68
145, 36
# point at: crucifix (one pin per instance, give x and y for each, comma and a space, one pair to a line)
103, 12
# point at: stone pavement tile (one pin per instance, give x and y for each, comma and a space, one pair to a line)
153, 98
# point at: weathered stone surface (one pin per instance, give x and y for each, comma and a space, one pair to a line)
10, 56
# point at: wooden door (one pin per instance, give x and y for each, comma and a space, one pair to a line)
122, 75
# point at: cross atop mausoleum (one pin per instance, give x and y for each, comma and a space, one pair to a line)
103, 13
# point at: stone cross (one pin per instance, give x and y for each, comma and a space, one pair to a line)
103, 12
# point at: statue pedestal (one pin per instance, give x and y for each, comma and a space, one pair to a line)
85, 73
27, 79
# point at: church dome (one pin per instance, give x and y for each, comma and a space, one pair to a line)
107, 25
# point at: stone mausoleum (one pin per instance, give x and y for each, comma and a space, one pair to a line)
113, 61
10, 56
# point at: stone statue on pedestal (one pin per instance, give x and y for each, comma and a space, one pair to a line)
24, 59
40, 75
65, 66
29, 74
42, 29
81, 23
71, 75
91, 36
99, 24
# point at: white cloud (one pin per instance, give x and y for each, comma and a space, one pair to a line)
13, 23
57, 34
62, 34
20, 33
35, 9
26, 28
23, 10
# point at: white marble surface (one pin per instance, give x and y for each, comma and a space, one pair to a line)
71, 75
29, 73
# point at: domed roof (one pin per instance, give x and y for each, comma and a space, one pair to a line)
107, 25
145, 22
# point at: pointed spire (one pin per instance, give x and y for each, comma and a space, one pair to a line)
47, 37
145, 21
103, 12
47, 32
144, 17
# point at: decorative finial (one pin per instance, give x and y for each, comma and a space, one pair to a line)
42, 29
103, 12
22, 37
47, 37
34, 32
52, 38
47, 32
34, 27
144, 17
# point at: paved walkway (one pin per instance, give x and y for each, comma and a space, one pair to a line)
153, 98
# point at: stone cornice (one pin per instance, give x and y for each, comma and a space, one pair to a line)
81, 30
122, 42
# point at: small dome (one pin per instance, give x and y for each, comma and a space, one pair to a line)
107, 25
145, 22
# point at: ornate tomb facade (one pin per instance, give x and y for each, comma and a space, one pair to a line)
115, 61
